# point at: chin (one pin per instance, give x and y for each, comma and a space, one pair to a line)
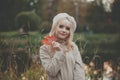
61, 38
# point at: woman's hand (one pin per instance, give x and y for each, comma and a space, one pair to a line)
57, 46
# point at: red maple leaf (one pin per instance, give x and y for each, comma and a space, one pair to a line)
48, 40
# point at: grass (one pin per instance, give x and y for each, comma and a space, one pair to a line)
13, 43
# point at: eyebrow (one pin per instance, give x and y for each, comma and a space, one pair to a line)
63, 25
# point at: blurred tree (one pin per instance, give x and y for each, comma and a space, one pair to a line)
10, 8
65, 6
116, 11
96, 14
47, 11
97, 17
84, 11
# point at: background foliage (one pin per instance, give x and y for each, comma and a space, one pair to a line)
97, 33
90, 14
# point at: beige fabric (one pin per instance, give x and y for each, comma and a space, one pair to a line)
62, 65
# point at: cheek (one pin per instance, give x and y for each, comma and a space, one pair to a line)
68, 32
68, 35
57, 30
56, 33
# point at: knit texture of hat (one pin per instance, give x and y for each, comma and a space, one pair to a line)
65, 15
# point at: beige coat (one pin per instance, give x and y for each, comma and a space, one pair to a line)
62, 65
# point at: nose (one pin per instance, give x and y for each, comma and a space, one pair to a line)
64, 29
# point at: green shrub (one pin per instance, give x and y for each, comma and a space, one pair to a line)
29, 20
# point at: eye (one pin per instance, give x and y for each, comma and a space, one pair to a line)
67, 28
61, 26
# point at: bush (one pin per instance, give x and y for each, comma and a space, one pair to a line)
27, 20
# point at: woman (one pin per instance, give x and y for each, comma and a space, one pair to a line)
61, 59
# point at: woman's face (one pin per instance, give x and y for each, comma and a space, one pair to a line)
63, 30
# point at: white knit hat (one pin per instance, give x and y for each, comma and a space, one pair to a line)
64, 15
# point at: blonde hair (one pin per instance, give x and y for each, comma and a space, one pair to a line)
56, 21
69, 39
60, 16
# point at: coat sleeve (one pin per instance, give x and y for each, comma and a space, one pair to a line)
79, 73
51, 65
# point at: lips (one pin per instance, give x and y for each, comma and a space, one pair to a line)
62, 33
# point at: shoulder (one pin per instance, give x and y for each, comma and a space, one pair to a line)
74, 45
